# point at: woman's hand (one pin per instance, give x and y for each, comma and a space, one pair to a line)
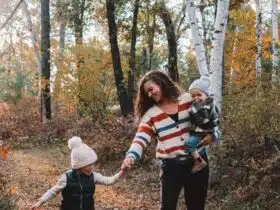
205, 141
37, 205
127, 163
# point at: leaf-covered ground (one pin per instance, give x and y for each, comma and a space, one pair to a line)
35, 171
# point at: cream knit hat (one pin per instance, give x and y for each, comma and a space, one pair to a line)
81, 154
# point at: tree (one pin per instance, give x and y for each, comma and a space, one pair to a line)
216, 60
275, 68
172, 42
45, 59
197, 42
259, 39
132, 54
119, 80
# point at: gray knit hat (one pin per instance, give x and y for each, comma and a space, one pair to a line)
203, 84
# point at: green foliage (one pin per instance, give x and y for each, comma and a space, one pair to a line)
252, 112
11, 86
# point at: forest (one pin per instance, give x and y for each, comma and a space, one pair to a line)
72, 68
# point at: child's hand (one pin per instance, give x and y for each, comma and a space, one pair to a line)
127, 163
37, 205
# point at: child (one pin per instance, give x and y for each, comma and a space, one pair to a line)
78, 184
204, 118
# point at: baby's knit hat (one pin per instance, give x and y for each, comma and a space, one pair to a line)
202, 84
81, 154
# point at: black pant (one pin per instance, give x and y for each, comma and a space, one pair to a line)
177, 175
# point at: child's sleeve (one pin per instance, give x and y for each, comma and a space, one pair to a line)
60, 185
105, 180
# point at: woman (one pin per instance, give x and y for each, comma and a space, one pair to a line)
162, 111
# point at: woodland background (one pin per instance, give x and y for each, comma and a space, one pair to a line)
70, 67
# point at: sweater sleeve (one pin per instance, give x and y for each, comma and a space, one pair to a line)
105, 180
60, 185
142, 138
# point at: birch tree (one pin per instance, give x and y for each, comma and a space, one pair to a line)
216, 60
259, 39
197, 43
275, 70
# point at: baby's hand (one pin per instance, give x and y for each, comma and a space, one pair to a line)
37, 205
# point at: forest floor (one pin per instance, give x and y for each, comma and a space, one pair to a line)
34, 171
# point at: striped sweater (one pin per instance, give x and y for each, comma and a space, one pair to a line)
170, 134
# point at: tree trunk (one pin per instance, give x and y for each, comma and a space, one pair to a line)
172, 42
144, 61
259, 39
275, 68
119, 80
45, 52
151, 35
131, 78
197, 42
232, 70
216, 61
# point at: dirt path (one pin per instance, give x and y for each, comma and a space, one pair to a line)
35, 171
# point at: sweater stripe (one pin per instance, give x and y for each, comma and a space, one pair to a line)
172, 135
135, 154
142, 138
159, 117
140, 143
145, 129
172, 149
184, 106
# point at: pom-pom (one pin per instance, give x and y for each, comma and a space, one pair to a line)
74, 142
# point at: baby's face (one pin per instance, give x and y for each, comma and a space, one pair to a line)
198, 96
87, 170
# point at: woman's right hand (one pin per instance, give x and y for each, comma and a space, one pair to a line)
127, 163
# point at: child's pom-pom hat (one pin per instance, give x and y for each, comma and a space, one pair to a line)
81, 154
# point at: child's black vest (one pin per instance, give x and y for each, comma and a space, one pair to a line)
78, 193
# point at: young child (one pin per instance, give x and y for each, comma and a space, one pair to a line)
78, 184
204, 118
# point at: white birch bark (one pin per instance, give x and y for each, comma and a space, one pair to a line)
259, 39
216, 61
197, 43
275, 72
232, 70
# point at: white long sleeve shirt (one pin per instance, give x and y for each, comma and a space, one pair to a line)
62, 181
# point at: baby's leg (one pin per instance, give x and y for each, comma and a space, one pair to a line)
190, 146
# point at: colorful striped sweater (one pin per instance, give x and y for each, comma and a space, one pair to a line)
170, 134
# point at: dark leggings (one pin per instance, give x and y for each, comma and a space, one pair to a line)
177, 175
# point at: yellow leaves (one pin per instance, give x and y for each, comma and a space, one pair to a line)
12, 191
3, 151
44, 83
70, 108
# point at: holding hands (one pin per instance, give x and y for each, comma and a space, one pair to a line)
127, 163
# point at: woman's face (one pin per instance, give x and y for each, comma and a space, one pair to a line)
153, 91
